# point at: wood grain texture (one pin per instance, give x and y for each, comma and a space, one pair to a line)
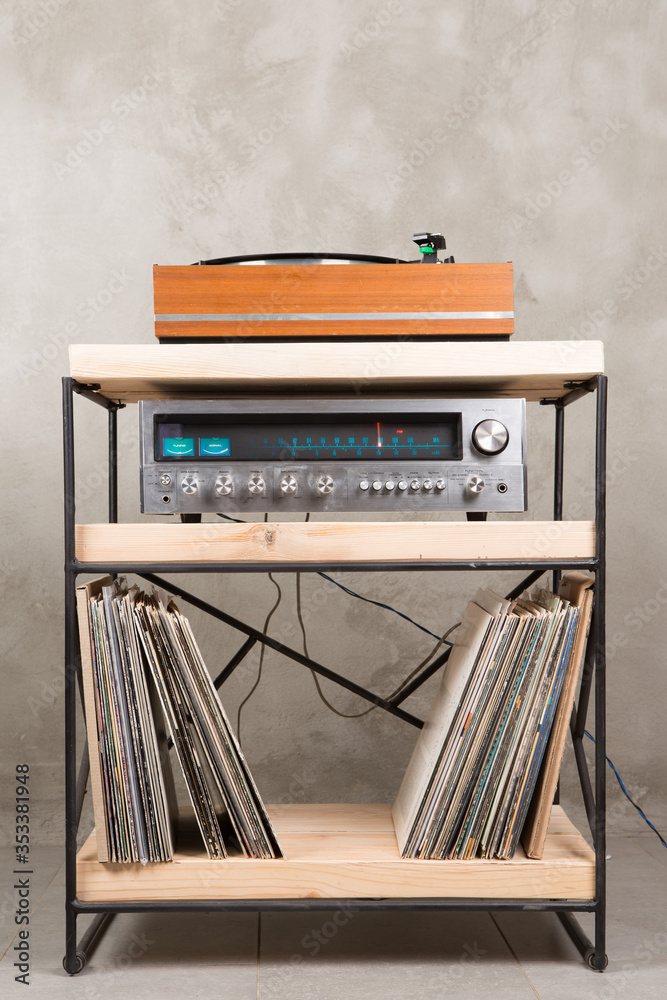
355, 288
345, 851
375, 328
335, 542
535, 370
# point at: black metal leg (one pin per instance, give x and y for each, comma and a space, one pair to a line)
599, 958
113, 465
71, 962
581, 940
559, 456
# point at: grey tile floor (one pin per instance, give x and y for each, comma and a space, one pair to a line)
327, 955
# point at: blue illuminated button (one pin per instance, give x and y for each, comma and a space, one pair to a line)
178, 447
214, 446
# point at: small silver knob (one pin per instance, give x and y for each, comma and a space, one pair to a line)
377, 485
475, 484
223, 486
428, 484
414, 485
441, 485
256, 484
325, 484
288, 484
165, 480
402, 485
490, 437
364, 484
189, 485
389, 485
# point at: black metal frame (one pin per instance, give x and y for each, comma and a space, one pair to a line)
593, 678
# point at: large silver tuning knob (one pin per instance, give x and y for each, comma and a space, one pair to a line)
189, 485
256, 484
288, 484
475, 484
325, 484
490, 437
223, 486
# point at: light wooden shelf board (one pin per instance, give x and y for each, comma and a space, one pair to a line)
335, 542
345, 852
535, 370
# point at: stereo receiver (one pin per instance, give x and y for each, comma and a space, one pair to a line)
297, 454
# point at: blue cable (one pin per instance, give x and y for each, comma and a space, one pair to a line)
626, 793
352, 593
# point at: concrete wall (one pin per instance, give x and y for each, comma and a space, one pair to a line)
158, 132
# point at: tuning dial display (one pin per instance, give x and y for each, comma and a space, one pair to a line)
490, 437
475, 484
325, 484
189, 485
223, 486
288, 485
256, 485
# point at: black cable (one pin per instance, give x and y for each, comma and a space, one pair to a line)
353, 593
379, 604
406, 680
423, 663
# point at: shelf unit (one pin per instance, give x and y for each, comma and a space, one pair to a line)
341, 854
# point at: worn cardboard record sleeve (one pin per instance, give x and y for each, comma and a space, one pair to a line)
95, 750
576, 588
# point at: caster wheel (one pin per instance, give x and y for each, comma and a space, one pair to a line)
80, 964
593, 964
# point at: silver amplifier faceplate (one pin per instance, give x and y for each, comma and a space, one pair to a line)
475, 480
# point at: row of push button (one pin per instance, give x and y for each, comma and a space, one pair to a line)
414, 485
